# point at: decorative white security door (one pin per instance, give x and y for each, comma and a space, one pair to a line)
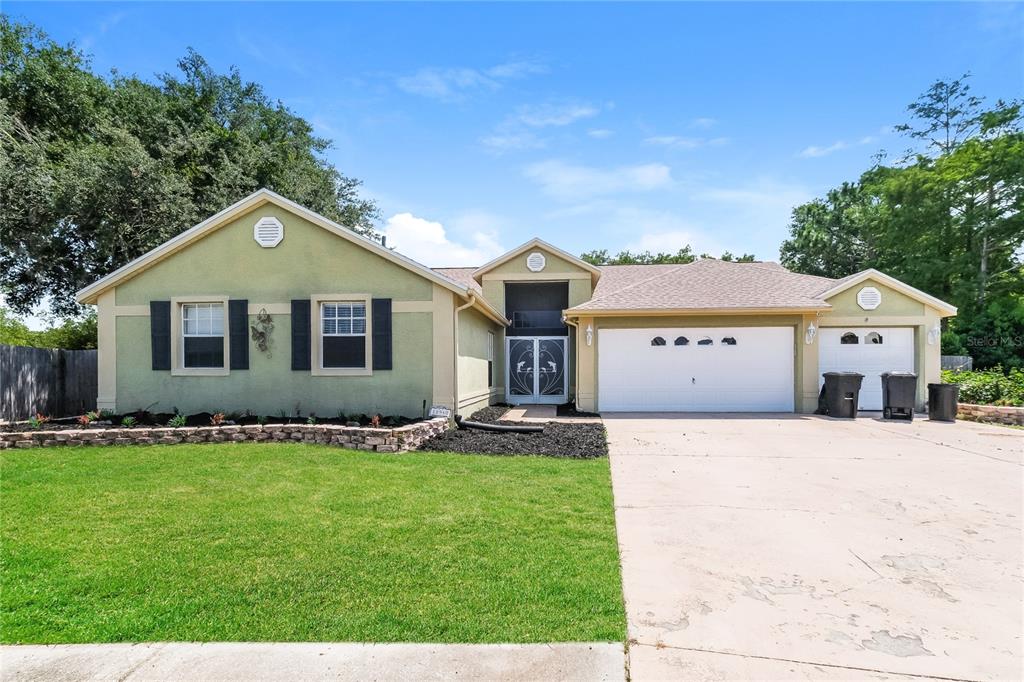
537, 369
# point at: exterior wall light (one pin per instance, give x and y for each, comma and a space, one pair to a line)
934, 334
590, 335
809, 335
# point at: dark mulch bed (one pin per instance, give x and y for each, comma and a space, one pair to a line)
490, 414
572, 441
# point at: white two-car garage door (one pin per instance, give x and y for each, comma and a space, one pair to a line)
868, 351
722, 369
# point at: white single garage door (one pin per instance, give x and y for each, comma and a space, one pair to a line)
721, 369
869, 351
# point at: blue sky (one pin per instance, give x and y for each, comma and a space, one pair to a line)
610, 126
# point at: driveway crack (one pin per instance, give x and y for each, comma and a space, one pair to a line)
662, 645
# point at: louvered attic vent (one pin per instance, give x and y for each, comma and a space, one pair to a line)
268, 232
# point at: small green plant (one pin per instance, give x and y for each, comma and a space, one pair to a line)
311, 419
989, 386
261, 420
177, 421
129, 421
104, 414
87, 418
37, 421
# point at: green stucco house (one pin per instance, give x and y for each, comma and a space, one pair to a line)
270, 307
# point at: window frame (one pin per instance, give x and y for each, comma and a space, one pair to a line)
317, 301
178, 367
490, 358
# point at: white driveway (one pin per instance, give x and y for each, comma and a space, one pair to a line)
797, 547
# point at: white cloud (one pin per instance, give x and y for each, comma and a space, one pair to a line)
704, 123
545, 115
680, 142
504, 142
454, 83
600, 133
813, 151
519, 69
427, 241
568, 181
516, 131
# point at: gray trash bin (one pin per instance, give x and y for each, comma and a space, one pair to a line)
899, 393
942, 400
842, 390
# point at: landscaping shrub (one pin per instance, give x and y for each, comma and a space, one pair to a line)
989, 386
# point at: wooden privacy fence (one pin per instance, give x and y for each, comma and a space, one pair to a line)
958, 363
54, 382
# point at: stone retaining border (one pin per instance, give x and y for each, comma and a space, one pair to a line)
398, 439
1013, 416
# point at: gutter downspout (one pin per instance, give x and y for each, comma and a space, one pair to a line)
455, 347
576, 358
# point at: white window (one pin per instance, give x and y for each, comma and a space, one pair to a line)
202, 335
343, 334
490, 359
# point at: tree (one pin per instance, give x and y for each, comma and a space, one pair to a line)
682, 256
70, 334
949, 220
95, 172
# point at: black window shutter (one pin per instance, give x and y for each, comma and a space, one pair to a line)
300, 333
160, 333
238, 332
382, 333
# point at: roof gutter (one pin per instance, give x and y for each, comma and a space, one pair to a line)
665, 312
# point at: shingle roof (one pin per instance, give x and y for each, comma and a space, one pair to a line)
463, 276
701, 285
704, 284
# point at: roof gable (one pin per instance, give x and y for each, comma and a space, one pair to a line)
541, 245
847, 283
259, 198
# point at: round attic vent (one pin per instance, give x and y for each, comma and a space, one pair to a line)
869, 298
268, 232
535, 262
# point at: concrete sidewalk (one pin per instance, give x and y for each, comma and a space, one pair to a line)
300, 661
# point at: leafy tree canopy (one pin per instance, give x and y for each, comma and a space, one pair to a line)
947, 219
96, 171
70, 334
682, 256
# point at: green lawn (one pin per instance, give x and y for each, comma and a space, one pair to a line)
294, 542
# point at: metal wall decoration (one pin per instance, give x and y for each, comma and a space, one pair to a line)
261, 331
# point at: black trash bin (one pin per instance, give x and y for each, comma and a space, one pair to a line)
942, 399
841, 393
899, 393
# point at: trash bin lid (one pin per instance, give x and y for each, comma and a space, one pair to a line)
899, 374
842, 374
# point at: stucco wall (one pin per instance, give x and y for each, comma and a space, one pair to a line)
556, 269
895, 310
309, 261
473, 390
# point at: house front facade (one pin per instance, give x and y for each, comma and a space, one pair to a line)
271, 308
